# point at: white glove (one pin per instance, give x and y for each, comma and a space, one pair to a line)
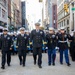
56, 47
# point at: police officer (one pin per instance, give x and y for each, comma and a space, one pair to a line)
37, 36
63, 46
51, 43
6, 42
22, 40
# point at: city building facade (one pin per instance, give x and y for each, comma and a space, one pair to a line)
50, 13
44, 11
72, 15
23, 12
3, 13
16, 13
9, 12
63, 17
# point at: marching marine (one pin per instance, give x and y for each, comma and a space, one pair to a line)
63, 46
51, 43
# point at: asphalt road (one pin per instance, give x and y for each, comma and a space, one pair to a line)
31, 69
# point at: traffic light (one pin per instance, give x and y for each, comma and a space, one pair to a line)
66, 7
40, 0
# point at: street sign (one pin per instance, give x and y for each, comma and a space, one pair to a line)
73, 9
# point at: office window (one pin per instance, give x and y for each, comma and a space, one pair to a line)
0, 11
4, 2
67, 22
60, 8
54, 7
64, 22
54, 21
3, 13
60, 25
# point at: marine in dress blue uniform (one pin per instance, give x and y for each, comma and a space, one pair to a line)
51, 43
63, 46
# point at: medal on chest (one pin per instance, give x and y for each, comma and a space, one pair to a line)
50, 39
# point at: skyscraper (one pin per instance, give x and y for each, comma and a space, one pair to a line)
54, 15
23, 12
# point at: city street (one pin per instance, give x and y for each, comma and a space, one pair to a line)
37, 25
31, 69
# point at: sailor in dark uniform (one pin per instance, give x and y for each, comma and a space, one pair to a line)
6, 42
37, 37
22, 40
63, 46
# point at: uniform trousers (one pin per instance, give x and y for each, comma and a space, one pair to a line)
51, 56
65, 52
37, 51
4, 55
22, 56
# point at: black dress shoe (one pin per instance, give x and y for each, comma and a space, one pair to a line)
61, 63
53, 64
34, 62
40, 66
49, 64
20, 63
68, 64
3, 67
73, 59
23, 65
8, 64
